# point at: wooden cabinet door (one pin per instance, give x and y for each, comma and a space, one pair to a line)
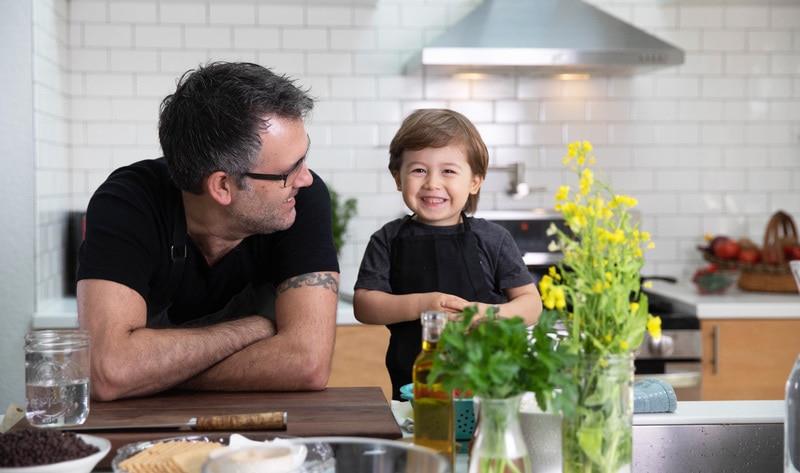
748, 358
359, 358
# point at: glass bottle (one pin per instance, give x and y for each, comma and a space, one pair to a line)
791, 429
57, 377
434, 425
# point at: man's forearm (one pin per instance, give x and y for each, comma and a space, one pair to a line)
151, 360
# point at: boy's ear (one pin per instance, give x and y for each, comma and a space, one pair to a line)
476, 183
219, 186
396, 176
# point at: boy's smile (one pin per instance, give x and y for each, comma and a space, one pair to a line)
436, 183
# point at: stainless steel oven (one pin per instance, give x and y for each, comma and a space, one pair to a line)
675, 359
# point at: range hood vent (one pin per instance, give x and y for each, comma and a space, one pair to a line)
546, 37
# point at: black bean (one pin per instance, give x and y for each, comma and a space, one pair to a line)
41, 447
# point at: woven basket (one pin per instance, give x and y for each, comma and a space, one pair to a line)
776, 277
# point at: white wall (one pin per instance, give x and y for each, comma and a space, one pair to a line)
710, 146
17, 293
52, 138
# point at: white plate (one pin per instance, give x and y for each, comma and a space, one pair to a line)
81, 465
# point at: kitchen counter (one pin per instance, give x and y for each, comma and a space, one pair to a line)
731, 305
63, 313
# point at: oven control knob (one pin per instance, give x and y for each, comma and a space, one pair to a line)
663, 347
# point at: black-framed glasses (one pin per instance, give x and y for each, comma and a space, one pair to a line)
281, 177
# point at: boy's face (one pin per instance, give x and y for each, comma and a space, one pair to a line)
436, 182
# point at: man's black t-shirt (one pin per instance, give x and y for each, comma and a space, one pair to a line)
129, 230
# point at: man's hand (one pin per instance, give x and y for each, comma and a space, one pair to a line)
440, 301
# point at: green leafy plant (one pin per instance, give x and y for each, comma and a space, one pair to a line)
341, 213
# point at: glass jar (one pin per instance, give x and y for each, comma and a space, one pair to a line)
499, 446
57, 377
791, 437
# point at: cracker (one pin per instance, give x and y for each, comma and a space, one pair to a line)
179, 456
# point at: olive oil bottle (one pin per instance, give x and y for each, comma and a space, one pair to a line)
434, 425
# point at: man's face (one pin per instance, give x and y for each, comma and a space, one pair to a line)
267, 206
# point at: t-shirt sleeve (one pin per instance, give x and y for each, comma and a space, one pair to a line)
121, 242
307, 246
511, 269
376, 265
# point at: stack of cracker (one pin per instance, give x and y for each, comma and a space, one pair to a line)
179, 456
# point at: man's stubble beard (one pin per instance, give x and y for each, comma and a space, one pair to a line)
260, 221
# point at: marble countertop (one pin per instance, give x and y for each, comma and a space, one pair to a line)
731, 305
717, 412
63, 313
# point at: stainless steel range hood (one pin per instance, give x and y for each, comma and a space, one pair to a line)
546, 37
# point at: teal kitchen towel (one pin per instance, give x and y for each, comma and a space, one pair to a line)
653, 395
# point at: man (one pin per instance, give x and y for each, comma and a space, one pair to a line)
213, 268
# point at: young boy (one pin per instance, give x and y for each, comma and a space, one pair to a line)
438, 258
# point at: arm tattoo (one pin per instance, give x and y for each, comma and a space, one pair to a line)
325, 280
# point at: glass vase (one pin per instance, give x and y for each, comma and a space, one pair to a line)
499, 446
596, 430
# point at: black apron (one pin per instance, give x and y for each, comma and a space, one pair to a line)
447, 263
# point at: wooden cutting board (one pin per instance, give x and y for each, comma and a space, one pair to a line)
355, 412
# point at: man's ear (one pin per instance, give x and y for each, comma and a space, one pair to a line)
219, 186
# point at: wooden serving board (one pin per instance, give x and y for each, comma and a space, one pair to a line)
353, 412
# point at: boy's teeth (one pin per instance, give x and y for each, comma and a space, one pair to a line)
433, 200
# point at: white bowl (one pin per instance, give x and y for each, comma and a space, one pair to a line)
795, 265
80, 465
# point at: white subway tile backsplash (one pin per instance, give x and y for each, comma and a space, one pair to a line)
662, 203
497, 135
702, 64
745, 111
690, 110
329, 16
145, 110
281, 15
231, 14
592, 88
699, 203
120, 85
528, 88
631, 134
444, 87
785, 63
785, 111
655, 110
385, 64
157, 36
677, 87
476, 111
400, 39
131, 12
746, 17
769, 180
516, 111
107, 35
540, 134
700, 16
285, 63
769, 41
400, 87
562, 110
749, 203
422, 16
655, 16
306, 39
356, 182
722, 180
330, 63
608, 110
595, 133
677, 134
110, 134
667, 227
503, 156
256, 38
89, 60
353, 39
88, 11
493, 87
378, 112
788, 201
380, 14
207, 36
412, 105
769, 134
749, 64
785, 17
723, 40
727, 87
131, 60
721, 134
180, 61
90, 109
182, 13
358, 135
631, 181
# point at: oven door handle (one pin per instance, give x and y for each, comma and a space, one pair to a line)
680, 379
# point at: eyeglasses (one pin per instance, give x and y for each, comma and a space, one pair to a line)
281, 177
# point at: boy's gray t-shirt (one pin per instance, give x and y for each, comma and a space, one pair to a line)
498, 254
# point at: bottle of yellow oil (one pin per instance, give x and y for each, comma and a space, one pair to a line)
434, 425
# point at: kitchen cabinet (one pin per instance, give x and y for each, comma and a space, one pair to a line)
748, 358
359, 357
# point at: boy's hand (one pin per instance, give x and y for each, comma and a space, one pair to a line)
443, 302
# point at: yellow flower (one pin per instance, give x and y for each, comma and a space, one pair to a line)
651, 245
563, 193
587, 179
597, 287
634, 307
587, 147
607, 338
624, 344
553, 273
654, 326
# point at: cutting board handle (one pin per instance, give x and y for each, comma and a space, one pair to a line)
260, 421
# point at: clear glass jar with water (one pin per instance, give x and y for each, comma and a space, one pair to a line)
57, 377
791, 438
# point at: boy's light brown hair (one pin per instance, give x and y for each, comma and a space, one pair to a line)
437, 128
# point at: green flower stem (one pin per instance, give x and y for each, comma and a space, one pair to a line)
496, 449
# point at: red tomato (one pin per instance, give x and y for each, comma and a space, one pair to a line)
792, 252
749, 255
726, 249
